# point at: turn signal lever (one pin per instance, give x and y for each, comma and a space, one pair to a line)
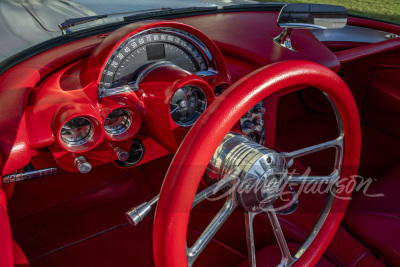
28, 175
138, 213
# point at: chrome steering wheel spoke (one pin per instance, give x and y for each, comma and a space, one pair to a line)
336, 143
229, 206
332, 178
287, 259
248, 218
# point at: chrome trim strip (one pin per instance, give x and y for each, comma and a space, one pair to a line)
352, 34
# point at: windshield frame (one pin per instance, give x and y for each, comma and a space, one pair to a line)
105, 28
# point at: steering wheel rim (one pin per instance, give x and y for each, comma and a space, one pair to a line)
190, 161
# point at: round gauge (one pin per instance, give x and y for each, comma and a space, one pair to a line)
187, 104
117, 122
76, 131
138, 52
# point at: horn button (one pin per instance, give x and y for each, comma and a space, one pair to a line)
258, 175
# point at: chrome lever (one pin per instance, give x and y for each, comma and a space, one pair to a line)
138, 213
28, 175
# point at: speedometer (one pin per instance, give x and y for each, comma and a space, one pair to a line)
139, 51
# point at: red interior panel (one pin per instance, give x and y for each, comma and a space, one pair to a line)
381, 107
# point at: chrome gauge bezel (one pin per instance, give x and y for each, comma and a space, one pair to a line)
203, 107
125, 127
81, 142
210, 69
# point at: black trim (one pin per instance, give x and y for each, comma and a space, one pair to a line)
81, 34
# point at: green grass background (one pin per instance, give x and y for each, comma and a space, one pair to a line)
388, 10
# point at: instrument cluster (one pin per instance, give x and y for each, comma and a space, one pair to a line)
124, 69
154, 83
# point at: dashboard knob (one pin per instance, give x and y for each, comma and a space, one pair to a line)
258, 121
259, 109
248, 125
82, 164
122, 155
248, 114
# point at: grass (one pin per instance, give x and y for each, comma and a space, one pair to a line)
387, 10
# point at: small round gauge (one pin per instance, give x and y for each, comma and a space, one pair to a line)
117, 122
77, 131
187, 104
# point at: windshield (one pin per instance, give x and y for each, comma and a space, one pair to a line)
25, 23
386, 10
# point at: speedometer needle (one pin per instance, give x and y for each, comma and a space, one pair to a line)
175, 109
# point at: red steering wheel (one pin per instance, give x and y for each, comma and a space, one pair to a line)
190, 162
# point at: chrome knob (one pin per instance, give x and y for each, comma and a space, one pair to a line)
248, 125
136, 215
258, 109
258, 121
248, 115
122, 155
82, 164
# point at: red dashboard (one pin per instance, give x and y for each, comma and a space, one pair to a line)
70, 83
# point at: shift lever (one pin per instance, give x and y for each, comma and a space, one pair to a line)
138, 213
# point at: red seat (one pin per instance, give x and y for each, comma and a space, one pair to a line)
376, 219
270, 256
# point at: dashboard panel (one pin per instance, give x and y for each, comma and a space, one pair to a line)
63, 84
141, 82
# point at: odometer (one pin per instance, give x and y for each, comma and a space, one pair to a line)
139, 51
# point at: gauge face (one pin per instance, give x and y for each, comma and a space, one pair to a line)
117, 122
76, 131
138, 52
187, 105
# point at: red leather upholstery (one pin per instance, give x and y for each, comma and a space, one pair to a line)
381, 106
367, 50
376, 220
270, 256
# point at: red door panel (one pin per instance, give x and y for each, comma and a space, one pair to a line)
381, 106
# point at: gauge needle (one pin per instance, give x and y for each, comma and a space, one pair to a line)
188, 93
175, 109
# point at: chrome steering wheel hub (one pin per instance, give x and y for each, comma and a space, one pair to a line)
258, 175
